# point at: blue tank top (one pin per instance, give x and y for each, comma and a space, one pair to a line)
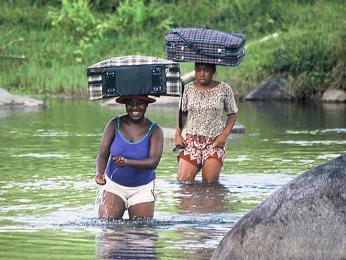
130, 176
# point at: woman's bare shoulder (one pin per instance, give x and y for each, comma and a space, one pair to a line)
156, 127
113, 123
157, 131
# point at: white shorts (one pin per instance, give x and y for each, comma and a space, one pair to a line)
131, 195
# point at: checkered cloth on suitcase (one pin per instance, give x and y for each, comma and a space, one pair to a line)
205, 46
172, 73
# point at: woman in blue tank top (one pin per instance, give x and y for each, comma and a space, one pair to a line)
129, 152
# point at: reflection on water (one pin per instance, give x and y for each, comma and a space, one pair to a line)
125, 242
202, 198
47, 189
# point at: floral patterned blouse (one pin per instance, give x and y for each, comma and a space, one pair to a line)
205, 109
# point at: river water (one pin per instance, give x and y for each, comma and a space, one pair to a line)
47, 195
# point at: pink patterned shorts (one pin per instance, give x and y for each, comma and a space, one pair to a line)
199, 149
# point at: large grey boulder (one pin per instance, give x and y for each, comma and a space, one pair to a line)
276, 88
305, 219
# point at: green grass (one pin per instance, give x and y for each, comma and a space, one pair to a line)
37, 57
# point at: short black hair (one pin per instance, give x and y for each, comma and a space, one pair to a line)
210, 65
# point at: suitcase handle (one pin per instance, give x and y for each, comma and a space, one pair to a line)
195, 49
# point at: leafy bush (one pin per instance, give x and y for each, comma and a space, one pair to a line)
49, 43
252, 17
134, 17
14, 15
309, 58
131, 18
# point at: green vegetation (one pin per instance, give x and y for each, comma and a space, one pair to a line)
46, 45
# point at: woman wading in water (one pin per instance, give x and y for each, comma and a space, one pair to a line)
204, 134
129, 152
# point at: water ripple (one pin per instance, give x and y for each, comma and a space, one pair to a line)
42, 155
314, 142
317, 131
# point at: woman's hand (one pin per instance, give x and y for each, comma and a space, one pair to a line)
119, 161
220, 141
100, 179
180, 141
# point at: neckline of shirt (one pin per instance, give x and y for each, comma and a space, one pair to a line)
206, 91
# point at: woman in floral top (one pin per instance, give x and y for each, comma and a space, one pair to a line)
204, 134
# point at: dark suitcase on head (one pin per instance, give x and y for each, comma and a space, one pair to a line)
133, 75
205, 46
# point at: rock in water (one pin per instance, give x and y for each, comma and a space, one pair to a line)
305, 219
275, 88
8, 100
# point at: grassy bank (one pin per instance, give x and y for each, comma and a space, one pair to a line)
45, 46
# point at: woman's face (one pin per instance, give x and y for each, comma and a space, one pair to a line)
136, 108
204, 74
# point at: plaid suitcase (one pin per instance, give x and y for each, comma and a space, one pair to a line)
205, 46
133, 75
